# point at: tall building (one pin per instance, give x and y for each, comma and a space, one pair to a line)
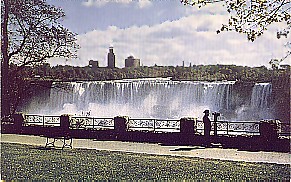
93, 64
132, 62
111, 58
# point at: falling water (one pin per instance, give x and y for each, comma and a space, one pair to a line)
260, 100
261, 96
146, 98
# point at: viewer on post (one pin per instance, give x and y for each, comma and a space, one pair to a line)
207, 123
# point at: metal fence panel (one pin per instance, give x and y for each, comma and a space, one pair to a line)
158, 125
41, 120
90, 122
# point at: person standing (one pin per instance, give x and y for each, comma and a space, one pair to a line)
207, 124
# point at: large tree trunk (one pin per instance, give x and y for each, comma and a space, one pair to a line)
5, 104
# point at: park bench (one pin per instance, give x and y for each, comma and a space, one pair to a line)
64, 137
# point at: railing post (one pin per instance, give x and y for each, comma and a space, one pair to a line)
65, 123
227, 127
187, 126
269, 130
215, 114
120, 124
18, 122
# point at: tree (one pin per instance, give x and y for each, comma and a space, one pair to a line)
31, 34
252, 17
274, 63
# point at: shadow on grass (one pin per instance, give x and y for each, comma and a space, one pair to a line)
46, 148
187, 148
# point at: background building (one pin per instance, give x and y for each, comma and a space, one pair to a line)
93, 64
111, 58
132, 62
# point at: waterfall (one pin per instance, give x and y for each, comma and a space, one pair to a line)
146, 98
261, 93
260, 100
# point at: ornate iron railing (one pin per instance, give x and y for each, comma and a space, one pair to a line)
75, 122
141, 124
200, 126
42, 120
243, 127
90, 122
233, 127
284, 129
154, 124
7, 120
169, 124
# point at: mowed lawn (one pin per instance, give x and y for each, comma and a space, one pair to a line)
36, 163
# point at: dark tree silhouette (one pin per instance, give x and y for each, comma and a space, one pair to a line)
31, 34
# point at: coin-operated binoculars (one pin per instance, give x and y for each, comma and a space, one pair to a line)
215, 114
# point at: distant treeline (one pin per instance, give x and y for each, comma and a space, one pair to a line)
195, 72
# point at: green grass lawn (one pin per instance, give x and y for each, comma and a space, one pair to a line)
33, 162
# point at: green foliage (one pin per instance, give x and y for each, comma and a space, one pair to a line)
195, 73
35, 32
253, 17
31, 34
23, 162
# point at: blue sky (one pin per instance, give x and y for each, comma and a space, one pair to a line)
86, 15
162, 32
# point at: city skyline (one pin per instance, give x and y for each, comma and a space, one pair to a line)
163, 33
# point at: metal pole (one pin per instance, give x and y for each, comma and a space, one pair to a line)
227, 127
215, 114
154, 125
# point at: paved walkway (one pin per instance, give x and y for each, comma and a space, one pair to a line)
188, 151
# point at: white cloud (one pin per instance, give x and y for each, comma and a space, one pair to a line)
144, 3
97, 3
100, 3
190, 39
211, 9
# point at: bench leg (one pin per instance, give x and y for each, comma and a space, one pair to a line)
67, 144
50, 144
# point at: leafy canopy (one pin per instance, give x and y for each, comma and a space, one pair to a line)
31, 34
252, 17
35, 32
